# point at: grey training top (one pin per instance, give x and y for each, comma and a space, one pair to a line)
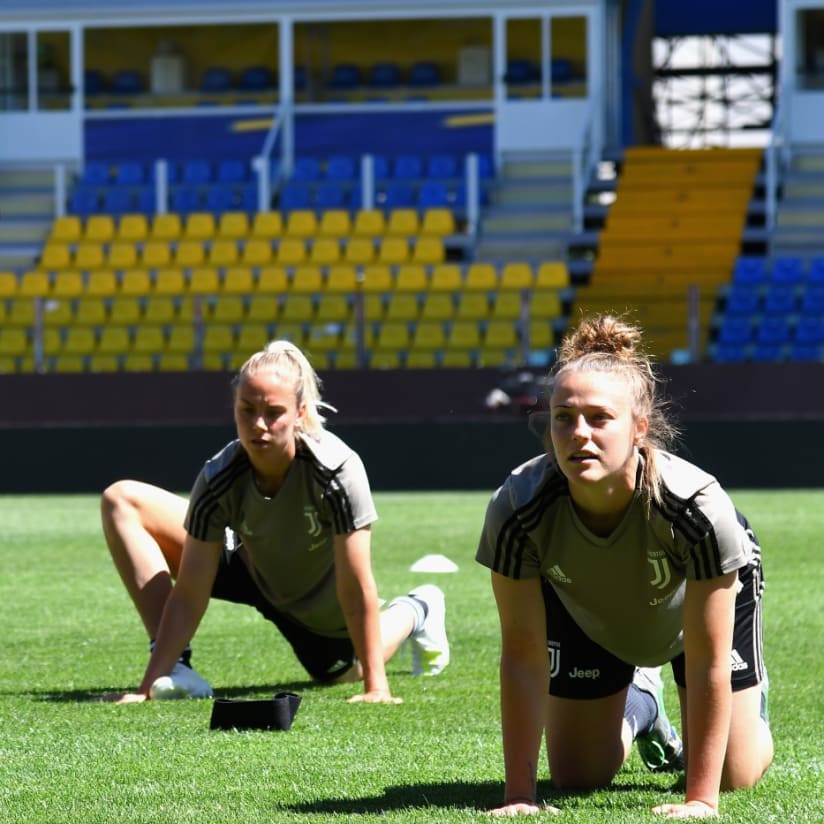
287, 542
626, 591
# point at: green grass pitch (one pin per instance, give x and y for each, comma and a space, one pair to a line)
69, 633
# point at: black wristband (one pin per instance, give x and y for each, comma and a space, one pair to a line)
276, 713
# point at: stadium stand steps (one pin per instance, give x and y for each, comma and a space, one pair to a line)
26, 213
530, 209
800, 209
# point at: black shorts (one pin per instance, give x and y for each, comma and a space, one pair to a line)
324, 658
580, 668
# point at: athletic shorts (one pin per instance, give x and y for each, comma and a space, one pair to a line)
324, 658
580, 668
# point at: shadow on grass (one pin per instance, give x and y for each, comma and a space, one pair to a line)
483, 795
246, 691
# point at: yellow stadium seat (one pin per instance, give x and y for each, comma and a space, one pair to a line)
457, 358
267, 225
218, 337
491, 357
517, 275
545, 305
34, 284
125, 311
181, 339
402, 306
251, 338
169, 281
359, 251
345, 359
507, 305
132, 228
67, 284
233, 225
159, 310
341, 278
333, 308
411, 277
297, 308
21, 312
156, 254
291, 251
8, 284
98, 229
369, 223
57, 312
101, 283
373, 306
79, 340
393, 335
472, 306
500, 334
429, 335
69, 363
463, 334
438, 221
272, 280
403, 222
14, 341
481, 276
421, 359
307, 279
335, 223
323, 337
302, 223
56, 256
262, 309
89, 256
199, 226
166, 227
446, 277
189, 308
148, 339
377, 278
90, 311
140, 362
552, 275
122, 255
52, 341
189, 253
438, 306
114, 340
103, 363
173, 362
135, 282
349, 337
385, 359
325, 251
66, 229
227, 309
238, 280
393, 250
203, 280
290, 331
222, 252
428, 250
256, 252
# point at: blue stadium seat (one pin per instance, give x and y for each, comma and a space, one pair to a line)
816, 270
788, 270
442, 166
561, 70
216, 79
220, 198
84, 201
256, 78
329, 195
340, 167
780, 300
730, 353
735, 330
385, 75
130, 173
398, 194
345, 76
768, 353
186, 199
147, 200
424, 73
93, 82
751, 269
295, 195
812, 300
306, 169
520, 71
433, 193
196, 172
232, 170
806, 352
407, 167
773, 329
118, 200
742, 300
95, 174
249, 198
173, 173
809, 330
127, 81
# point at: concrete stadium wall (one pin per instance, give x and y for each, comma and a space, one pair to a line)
751, 425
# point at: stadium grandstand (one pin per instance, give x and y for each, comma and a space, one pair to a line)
395, 185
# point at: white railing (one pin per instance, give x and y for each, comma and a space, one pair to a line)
586, 155
778, 154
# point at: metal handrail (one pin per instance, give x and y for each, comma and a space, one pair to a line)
585, 157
